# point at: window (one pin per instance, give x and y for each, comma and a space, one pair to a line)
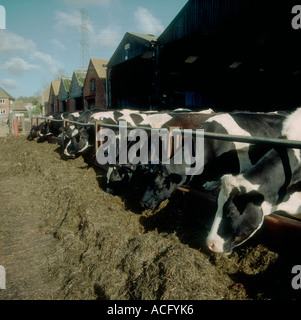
93, 85
2, 111
2, 101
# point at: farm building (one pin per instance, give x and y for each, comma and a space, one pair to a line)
75, 101
130, 72
212, 54
53, 104
18, 106
231, 54
63, 95
94, 89
6, 102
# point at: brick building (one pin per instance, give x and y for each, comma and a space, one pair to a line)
94, 89
6, 102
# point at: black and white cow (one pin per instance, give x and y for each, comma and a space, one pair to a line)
53, 128
118, 176
220, 157
35, 129
264, 188
73, 143
83, 137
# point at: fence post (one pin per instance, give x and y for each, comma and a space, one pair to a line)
16, 130
96, 131
23, 123
63, 133
173, 145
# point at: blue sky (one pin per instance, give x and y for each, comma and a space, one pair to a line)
42, 37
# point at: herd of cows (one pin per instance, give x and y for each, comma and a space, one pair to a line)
252, 180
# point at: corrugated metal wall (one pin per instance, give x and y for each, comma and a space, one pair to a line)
202, 14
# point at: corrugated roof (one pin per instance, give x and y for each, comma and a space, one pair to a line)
147, 37
199, 15
100, 67
5, 95
66, 83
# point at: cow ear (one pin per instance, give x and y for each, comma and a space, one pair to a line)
84, 134
255, 197
241, 201
175, 178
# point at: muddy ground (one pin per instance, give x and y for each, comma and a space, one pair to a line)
63, 237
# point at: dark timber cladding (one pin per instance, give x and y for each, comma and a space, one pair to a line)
130, 72
230, 54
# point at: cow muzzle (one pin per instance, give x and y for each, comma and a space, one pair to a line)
215, 245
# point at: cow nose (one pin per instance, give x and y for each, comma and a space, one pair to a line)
109, 190
210, 244
145, 205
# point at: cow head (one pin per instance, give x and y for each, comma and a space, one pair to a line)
239, 214
118, 177
78, 141
34, 133
44, 129
160, 186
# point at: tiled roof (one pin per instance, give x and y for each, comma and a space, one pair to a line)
100, 66
56, 86
5, 95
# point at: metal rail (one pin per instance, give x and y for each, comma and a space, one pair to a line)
227, 137
296, 144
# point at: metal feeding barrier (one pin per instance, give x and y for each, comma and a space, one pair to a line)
295, 144
277, 222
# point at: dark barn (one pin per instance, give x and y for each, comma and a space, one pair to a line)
227, 55
130, 72
230, 54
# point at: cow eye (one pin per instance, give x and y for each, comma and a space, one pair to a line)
231, 213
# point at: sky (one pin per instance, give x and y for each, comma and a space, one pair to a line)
42, 38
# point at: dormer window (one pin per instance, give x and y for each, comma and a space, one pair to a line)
93, 85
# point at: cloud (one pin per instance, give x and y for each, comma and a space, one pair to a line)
57, 44
147, 23
52, 64
11, 43
85, 3
65, 20
9, 83
17, 66
108, 37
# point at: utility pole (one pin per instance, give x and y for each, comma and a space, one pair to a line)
84, 43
